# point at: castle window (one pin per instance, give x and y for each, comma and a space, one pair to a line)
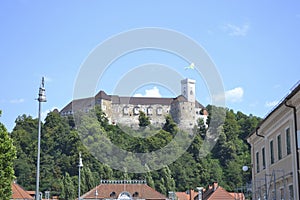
104, 107
149, 111
159, 111
136, 110
125, 110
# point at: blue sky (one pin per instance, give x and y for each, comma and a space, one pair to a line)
254, 45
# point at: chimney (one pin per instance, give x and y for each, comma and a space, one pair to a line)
215, 185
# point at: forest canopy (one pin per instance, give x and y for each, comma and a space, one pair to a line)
61, 144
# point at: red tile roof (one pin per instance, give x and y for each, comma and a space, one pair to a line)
19, 192
189, 195
216, 192
142, 191
239, 196
220, 194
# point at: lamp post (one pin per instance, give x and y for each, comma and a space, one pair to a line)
41, 98
245, 168
79, 166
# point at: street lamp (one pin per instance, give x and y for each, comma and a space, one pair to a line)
41, 98
79, 166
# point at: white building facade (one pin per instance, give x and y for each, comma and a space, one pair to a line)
275, 151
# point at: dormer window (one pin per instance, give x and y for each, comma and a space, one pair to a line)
136, 194
112, 194
124, 196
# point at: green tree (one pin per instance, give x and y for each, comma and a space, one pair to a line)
168, 179
24, 137
68, 190
170, 126
143, 119
7, 156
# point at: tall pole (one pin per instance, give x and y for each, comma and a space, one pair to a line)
79, 166
41, 98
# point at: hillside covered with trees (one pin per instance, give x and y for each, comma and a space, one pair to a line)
62, 141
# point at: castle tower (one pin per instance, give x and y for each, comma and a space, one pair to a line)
188, 89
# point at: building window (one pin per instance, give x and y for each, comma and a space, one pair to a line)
288, 141
273, 194
291, 192
282, 194
272, 151
149, 111
263, 158
159, 111
136, 110
279, 147
257, 162
143, 110
125, 110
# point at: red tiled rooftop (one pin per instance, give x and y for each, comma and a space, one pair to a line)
19, 193
142, 191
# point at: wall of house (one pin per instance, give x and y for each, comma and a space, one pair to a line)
280, 175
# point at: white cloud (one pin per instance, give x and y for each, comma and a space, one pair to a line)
271, 104
154, 92
234, 30
45, 113
47, 79
17, 101
234, 95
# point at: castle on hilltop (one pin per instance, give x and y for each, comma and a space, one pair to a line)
184, 109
